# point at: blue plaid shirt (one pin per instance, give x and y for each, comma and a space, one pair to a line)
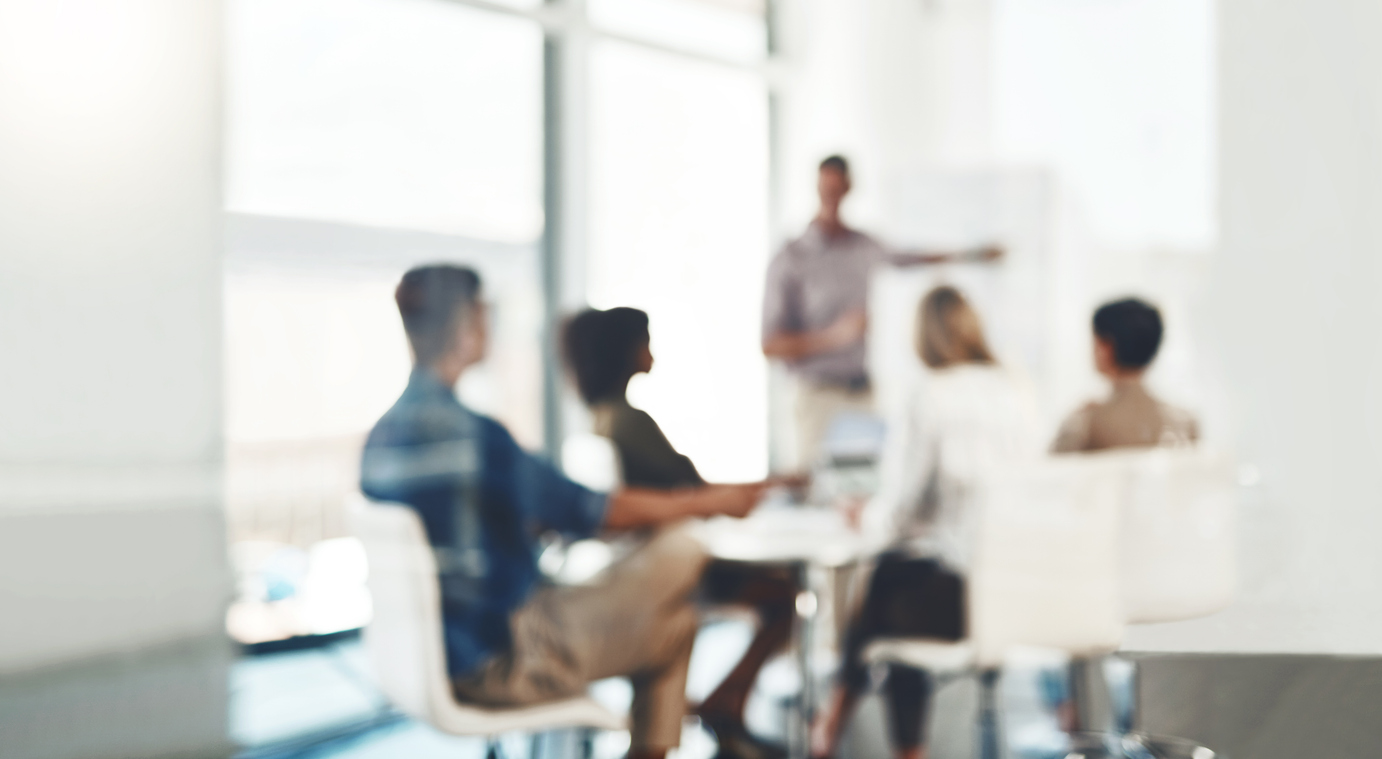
484, 501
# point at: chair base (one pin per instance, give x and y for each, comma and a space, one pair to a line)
538, 745
1133, 746
458, 718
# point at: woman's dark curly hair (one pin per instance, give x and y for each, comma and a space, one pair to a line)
600, 348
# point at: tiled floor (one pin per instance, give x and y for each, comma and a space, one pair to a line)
320, 704
279, 696
280, 701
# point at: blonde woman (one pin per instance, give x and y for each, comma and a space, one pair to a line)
970, 415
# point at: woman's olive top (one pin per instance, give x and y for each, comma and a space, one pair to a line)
647, 458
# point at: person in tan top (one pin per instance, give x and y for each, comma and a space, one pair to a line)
1127, 334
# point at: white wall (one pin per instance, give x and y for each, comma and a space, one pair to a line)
678, 206
1276, 328
1119, 97
110, 332
109, 199
1293, 307
891, 84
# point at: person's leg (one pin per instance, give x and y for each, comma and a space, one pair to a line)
659, 690
772, 594
541, 664
927, 602
814, 408
852, 679
829, 725
909, 700
641, 622
906, 598
858, 401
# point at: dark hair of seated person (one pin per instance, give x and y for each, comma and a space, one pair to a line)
1133, 328
835, 163
432, 301
601, 351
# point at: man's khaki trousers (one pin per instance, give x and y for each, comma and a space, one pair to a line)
637, 621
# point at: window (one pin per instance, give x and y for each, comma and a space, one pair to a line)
679, 203
364, 137
368, 136
415, 114
734, 30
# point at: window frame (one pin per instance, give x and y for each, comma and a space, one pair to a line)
563, 247
568, 39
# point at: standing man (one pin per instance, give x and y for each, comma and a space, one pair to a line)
815, 310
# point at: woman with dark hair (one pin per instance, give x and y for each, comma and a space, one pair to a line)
969, 417
603, 351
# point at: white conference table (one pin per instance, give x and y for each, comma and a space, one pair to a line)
776, 533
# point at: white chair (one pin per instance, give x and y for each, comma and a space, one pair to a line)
404, 640
1044, 574
1178, 548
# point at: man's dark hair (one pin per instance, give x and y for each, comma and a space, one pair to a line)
600, 348
433, 300
1133, 327
836, 163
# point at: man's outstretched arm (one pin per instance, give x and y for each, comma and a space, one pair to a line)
981, 254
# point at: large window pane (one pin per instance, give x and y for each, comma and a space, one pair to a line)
314, 355
310, 355
679, 228
365, 136
418, 114
730, 29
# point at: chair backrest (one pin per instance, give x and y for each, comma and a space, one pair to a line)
1178, 546
404, 640
1045, 565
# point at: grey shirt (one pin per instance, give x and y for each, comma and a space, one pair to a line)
813, 281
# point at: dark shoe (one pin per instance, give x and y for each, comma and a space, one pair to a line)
736, 742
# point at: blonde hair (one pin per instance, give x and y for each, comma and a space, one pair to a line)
948, 330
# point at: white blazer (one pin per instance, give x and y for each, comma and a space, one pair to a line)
961, 422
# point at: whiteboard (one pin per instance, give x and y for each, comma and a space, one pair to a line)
1018, 298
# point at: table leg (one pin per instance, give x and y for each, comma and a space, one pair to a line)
988, 715
806, 607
